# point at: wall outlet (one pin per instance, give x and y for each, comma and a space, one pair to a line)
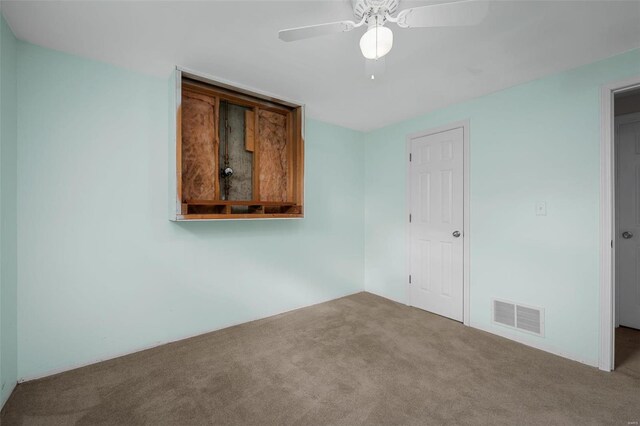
541, 208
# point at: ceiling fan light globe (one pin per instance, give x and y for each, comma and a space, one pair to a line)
376, 42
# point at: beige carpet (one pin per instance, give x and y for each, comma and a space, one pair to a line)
357, 360
628, 351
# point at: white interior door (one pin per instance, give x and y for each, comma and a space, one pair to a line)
436, 227
627, 238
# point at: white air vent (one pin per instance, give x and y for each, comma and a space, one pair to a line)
504, 313
521, 317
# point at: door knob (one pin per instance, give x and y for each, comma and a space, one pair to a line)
456, 234
626, 235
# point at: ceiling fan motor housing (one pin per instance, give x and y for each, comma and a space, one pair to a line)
367, 8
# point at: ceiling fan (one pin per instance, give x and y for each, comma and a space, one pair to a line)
378, 39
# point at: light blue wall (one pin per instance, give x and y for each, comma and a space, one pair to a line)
8, 211
103, 272
535, 142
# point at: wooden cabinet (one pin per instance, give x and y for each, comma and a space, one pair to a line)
238, 154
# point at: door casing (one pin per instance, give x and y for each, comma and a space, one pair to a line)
465, 125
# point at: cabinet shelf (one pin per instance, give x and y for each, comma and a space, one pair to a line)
243, 209
204, 217
251, 203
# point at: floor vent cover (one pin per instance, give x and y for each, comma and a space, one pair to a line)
525, 318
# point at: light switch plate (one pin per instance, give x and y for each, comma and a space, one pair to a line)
541, 208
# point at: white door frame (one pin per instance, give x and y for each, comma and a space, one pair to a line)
465, 125
607, 220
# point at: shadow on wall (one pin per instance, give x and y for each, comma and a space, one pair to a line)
250, 229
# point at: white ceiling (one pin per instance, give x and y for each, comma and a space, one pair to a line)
427, 69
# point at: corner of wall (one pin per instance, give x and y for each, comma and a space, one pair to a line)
8, 212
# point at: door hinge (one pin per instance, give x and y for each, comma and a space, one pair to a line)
409, 156
611, 243
409, 217
409, 278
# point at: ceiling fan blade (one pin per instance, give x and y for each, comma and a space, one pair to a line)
301, 33
460, 13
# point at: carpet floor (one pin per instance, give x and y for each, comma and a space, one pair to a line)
357, 360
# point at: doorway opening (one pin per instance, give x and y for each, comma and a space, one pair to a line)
626, 235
